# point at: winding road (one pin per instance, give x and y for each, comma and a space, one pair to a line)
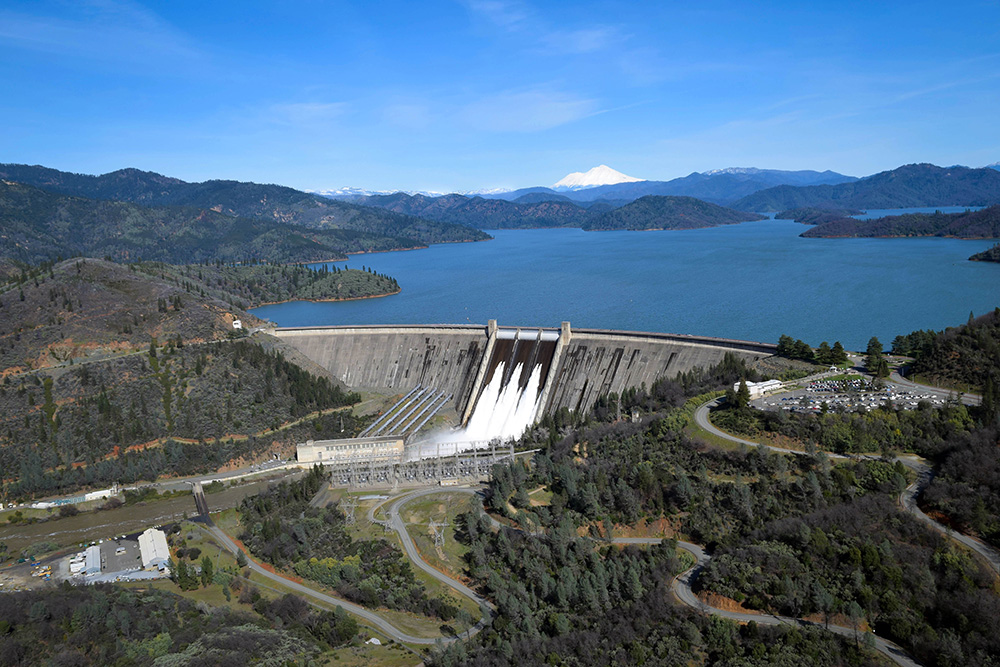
682, 584
908, 498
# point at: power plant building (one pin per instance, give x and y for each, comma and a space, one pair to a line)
352, 450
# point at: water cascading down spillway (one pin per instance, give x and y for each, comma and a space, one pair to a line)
509, 399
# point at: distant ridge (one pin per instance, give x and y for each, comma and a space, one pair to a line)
911, 185
274, 203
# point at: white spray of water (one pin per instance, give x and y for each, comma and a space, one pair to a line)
502, 411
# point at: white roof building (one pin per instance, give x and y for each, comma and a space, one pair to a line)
92, 560
154, 550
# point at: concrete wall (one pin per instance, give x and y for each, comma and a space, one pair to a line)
596, 362
587, 363
396, 357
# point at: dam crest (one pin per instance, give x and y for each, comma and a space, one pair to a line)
516, 374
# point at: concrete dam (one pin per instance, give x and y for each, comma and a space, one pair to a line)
495, 375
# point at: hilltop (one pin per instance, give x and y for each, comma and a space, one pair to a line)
909, 186
40, 225
274, 203
816, 216
652, 212
83, 309
482, 213
983, 224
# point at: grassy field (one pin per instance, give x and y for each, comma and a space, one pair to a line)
439, 508
394, 655
414, 624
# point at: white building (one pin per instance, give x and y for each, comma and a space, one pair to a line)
154, 550
758, 389
376, 450
92, 560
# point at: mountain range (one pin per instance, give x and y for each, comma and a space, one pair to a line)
912, 185
131, 213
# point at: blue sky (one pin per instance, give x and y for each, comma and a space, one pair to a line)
494, 93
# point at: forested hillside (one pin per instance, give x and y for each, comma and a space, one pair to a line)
175, 409
484, 213
908, 186
967, 355
252, 284
815, 216
89, 308
799, 535
982, 224
111, 625
653, 212
40, 225
374, 229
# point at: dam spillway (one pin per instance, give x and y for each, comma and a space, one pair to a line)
571, 367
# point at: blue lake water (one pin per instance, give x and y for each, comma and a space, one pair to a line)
752, 281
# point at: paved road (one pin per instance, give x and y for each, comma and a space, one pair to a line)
908, 499
368, 615
968, 399
397, 524
682, 587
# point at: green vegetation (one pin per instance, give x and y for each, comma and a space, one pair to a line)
579, 601
195, 215
908, 186
990, 255
875, 363
254, 283
824, 354
816, 216
968, 355
984, 224
40, 226
483, 213
178, 409
865, 560
112, 625
885, 430
283, 529
656, 212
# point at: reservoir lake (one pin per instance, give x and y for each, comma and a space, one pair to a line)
751, 281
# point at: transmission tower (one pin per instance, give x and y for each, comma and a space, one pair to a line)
436, 530
348, 505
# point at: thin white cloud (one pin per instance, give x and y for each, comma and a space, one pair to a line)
120, 31
306, 114
587, 40
526, 111
506, 14
411, 116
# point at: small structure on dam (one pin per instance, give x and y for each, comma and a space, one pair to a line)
500, 379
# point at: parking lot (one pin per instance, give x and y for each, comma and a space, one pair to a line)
846, 395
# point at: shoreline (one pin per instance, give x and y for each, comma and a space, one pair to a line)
332, 300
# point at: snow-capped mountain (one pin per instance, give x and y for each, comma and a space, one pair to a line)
735, 170
995, 165
349, 192
600, 175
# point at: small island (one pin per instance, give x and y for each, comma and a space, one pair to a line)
990, 255
982, 224
810, 215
